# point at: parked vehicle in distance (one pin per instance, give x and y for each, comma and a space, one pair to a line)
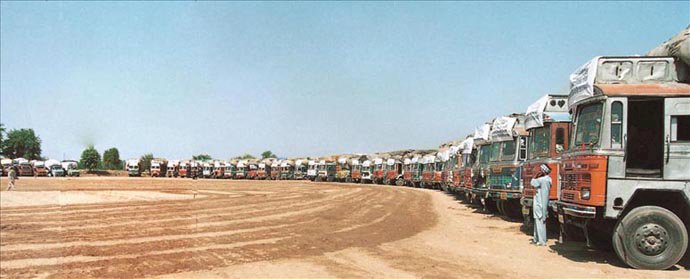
184, 169
39, 168
463, 176
24, 168
356, 172
300, 169
242, 169
548, 124
158, 166
366, 172
264, 169
173, 168
394, 172
207, 169
343, 169
379, 172
275, 170
311, 170
230, 168
428, 170
626, 173
325, 171
509, 142
133, 167
71, 168
287, 169
253, 169
478, 188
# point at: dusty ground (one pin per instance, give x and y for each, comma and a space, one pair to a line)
125, 227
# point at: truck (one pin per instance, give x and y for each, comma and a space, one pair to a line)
416, 167
54, 168
158, 166
379, 172
325, 170
428, 170
548, 123
207, 169
394, 172
356, 172
173, 169
71, 168
366, 172
343, 169
184, 169
509, 149
252, 169
477, 190
218, 169
230, 168
39, 168
264, 169
439, 165
626, 175
24, 167
133, 167
286, 170
462, 174
275, 169
451, 163
300, 169
311, 170
242, 169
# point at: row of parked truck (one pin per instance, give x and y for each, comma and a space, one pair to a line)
618, 145
51, 167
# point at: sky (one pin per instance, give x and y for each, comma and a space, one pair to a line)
298, 78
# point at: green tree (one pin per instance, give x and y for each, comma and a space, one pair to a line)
146, 162
22, 143
111, 159
246, 156
268, 154
90, 159
202, 157
2, 134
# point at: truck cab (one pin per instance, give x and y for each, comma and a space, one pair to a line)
463, 175
439, 168
133, 167
367, 172
183, 169
275, 169
509, 150
264, 170
548, 123
311, 170
343, 170
428, 170
158, 167
230, 168
287, 170
40, 169
173, 169
394, 172
479, 174
626, 174
325, 171
218, 169
241, 172
207, 170
356, 172
300, 169
24, 168
252, 169
379, 172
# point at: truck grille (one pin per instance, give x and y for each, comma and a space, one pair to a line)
573, 180
569, 196
499, 180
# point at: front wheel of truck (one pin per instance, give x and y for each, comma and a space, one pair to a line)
650, 237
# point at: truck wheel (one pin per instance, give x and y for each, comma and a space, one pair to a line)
512, 209
650, 237
490, 205
499, 207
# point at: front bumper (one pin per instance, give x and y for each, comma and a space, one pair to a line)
581, 211
503, 194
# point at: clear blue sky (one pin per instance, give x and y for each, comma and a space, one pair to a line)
225, 78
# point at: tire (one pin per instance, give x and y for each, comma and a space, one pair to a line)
490, 205
512, 209
650, 237
499, 206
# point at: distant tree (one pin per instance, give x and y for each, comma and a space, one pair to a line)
2, 134
146, 161
90, 159
246, 156
111, 159
22, 143
202, 157
268, 154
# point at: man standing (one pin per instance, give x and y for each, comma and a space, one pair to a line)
542, 182
11, 177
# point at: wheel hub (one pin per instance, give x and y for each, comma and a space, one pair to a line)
651, 239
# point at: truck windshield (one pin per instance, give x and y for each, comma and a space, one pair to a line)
495, 151
588, 126
508, 152
539, 141
485, 153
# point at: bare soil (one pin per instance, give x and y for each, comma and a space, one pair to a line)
143, 227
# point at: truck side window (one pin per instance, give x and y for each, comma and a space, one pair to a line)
680, 128
523, 148
616, 124
560, 140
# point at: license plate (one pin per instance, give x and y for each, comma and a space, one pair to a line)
504, 195
561, 218
525, 210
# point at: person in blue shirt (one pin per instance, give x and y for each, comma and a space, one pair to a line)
542, 183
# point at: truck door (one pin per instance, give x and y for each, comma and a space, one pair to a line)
677, 138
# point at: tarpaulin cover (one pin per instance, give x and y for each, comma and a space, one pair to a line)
407, 161
481, 134
467, 145
534, 117
390, 162
502, 129
582, 82
678, 46
49, 163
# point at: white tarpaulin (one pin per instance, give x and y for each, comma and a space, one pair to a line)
467, 145
678, 46
481, 134
582, 82
502, 129
534, 117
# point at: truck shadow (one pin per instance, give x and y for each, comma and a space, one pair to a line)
579, 252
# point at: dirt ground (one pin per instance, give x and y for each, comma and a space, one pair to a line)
143, 227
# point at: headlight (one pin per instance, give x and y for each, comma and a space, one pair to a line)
585, 193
